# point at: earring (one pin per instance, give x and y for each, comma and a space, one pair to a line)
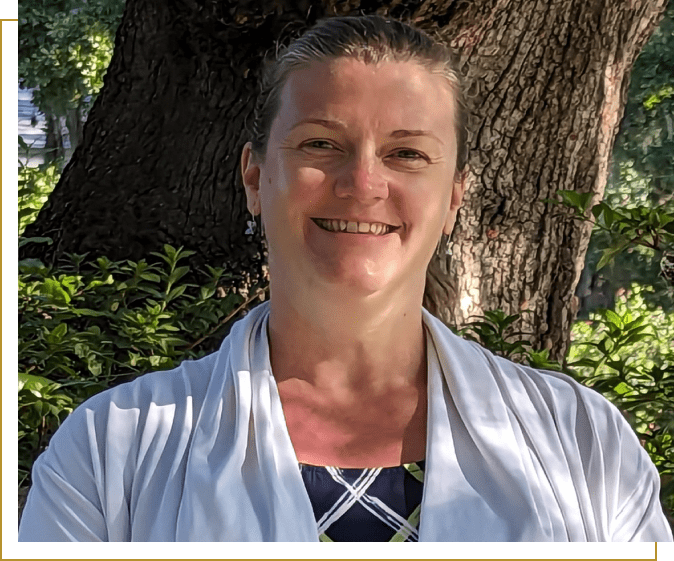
252, 225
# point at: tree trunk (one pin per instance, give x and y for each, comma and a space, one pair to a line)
546, 85
75, 124
53, 147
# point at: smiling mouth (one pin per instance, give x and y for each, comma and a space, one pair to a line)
375, 228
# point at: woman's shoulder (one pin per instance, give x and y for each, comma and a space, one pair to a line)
558, 395
559, 392
541, 394
188, 380
146, 404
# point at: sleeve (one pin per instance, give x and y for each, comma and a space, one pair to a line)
622, 481
639, 515
65, 502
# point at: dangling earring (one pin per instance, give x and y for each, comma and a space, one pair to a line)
252, 225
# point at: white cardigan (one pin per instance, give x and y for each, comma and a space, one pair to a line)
202, 453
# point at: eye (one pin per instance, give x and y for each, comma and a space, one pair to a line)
319, 144
409, 155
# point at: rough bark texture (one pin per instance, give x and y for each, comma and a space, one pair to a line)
546, 84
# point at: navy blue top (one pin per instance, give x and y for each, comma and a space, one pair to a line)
366, 505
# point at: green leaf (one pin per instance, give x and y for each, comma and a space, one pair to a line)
91, 313
151, 277
608, 254
613, 318
31, 266
580, 202
54, 290
622, 388
25, 241
584, 362
178, 273
96, 283
176, 292
33, 382
59, 331
636, 338
152, 291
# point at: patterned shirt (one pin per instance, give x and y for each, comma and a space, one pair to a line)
372, 504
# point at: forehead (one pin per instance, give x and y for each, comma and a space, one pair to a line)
388, 94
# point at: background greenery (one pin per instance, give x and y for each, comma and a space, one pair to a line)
86, 325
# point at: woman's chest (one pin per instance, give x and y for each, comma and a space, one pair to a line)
384, 431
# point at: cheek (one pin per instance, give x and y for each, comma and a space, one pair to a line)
292, 190
310, 179
304, 187
422, 203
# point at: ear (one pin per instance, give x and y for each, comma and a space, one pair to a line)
250, 172
458, 188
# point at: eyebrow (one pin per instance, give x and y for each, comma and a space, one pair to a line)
403, 133
339, 125
328, 124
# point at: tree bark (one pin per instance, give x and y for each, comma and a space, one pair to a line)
546, 85
53, 147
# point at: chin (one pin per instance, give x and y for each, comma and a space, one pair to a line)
358, 282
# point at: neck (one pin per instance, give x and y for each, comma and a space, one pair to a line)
369, 346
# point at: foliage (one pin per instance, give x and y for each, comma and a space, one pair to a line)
42, 407
646, 139
65, 47
642, 178
87, 326
640, 226
35, 186
495, 331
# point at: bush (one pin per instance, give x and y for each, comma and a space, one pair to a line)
88, 326
35, 186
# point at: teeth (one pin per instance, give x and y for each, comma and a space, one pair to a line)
353, 227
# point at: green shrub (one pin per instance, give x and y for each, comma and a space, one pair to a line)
88, 326
35, 185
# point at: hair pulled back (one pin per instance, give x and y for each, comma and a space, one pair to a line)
370, 39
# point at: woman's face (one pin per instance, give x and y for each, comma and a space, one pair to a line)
357, 184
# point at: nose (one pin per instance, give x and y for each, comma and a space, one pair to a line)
362, 177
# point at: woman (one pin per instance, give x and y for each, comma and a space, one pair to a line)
326, 408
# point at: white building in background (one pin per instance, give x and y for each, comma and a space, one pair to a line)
32, 129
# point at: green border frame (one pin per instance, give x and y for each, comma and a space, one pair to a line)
11, 549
